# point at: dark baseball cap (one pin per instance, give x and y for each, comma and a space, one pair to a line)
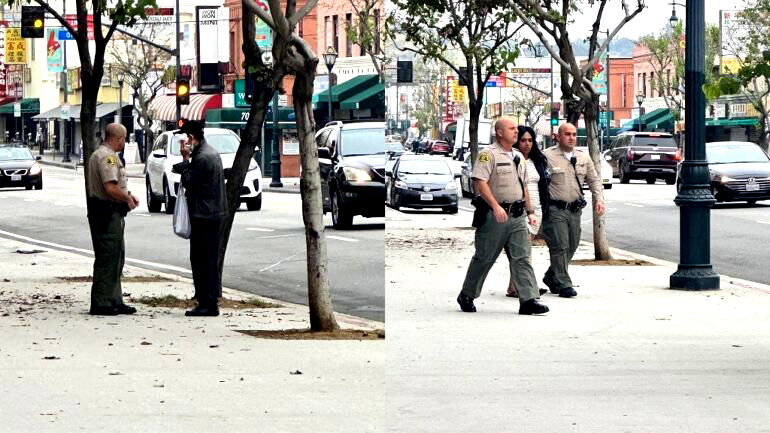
191, 127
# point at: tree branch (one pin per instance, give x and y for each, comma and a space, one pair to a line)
259, 12
294, 20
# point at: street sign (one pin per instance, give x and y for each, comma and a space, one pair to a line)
17, 109
65, 35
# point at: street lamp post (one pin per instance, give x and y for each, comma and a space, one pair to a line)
17, 81
119, 113
330, 58
640, 100
695, 198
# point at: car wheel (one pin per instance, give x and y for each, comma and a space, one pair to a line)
670, 180
168, 201
451, 210
153, 204
751, 202
39, 186
623, 176
254, 203
651, 180
341, 217
28, 187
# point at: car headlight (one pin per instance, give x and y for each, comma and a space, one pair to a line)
35, 169
451, 185
400, 184
356, 175
725, 179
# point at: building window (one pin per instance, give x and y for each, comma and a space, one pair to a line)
668, 82
652, 84
336, 33
301, 28
233, 53
644, 84
326, 33
348, 41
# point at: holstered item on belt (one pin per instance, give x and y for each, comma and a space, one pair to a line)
515, 209
99, 208
480, 214
573, 207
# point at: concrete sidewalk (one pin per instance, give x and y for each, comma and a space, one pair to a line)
136, 171
62, 370
626, 355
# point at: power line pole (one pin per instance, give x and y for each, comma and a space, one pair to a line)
178, 60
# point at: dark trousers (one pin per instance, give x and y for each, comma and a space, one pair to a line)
109, 256
204, 259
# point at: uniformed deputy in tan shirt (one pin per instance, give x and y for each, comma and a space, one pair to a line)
105, 167
561, 225
498, 179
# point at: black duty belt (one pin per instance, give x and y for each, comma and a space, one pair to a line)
572, 207
515, 209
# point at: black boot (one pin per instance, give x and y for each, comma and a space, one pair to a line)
466, 303
202, 310
551, 286
567, 292
532, 307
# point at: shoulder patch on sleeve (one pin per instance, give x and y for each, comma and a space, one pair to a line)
111, 160
484, 157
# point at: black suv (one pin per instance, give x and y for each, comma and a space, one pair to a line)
352, 158
644, 155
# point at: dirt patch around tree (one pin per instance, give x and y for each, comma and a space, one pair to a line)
131, 279
171, 301
613, 262
307, 334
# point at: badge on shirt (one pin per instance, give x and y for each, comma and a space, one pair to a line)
111, 160
484, 157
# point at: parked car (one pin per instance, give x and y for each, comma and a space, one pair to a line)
606, 169
738, 171
163, 185
644, 155
439, 146
420, 145
19, 168
466, 181
421, 182
352, 159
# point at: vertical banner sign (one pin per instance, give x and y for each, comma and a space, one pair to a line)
599, 80
3, 66
733, 32
263, 34
54, 50
207, 32
15, 47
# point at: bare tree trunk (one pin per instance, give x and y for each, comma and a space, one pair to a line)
88, 118
319, 292
601, 245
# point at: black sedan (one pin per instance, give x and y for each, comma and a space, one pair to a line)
19, 168
739, 171
421, 182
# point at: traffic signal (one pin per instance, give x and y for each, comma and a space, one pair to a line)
554, 117
32, 21
463, 76
183, 91
404, 73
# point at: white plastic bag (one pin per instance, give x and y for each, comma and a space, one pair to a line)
182, 226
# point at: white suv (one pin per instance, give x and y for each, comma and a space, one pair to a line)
162, 184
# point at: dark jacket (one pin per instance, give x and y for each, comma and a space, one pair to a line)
204, 181
541, 165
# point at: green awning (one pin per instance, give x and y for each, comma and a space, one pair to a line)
236, 118
749, 121
346, 90
654, 117
581, 132
373, 97
28, 106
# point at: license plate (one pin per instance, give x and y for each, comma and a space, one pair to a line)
752, 187
15, 177
655, 157
426, 197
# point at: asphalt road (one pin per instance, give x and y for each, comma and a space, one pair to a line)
266, 254
644, 219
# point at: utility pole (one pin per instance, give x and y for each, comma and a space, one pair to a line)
178, 60
609, 105
65, 121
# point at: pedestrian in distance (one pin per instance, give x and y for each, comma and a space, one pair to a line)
109, 201
537, 187
569, 168
204, 182
500, 176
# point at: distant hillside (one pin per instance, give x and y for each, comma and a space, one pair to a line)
618, 48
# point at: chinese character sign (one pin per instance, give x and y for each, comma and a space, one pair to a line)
15, 47
54, 50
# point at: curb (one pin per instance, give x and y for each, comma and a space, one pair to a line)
70, 165
281, 190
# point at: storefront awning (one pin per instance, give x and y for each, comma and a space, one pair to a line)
749, 121
660, 118
373, 97
346, 90
164, 107
236, 118
102, 110
28, 106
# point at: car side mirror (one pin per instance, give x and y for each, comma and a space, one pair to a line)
158, 155
38, 158
324, 153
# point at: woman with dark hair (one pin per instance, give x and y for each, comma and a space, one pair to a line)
538, 176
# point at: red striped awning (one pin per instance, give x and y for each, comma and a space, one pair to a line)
164, 107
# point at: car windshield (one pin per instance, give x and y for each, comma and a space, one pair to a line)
362, 142
732, 153
223, 143
15, 154
424, 167
654, 141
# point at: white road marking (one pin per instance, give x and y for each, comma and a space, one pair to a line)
469, 209
30, 200
3, 196
340, 238
281, 261
89, 252
633, 204
764, 222
259, 229
279, 236
140, 214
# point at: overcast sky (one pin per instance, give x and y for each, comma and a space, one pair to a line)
651, 20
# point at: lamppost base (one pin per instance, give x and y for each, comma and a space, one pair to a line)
694, 277
275, 184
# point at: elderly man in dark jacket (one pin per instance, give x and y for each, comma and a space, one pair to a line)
204, 182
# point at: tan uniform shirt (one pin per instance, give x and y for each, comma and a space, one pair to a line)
495, 166
563, 185
105, 166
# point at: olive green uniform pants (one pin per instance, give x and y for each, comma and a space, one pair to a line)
491, 238
109, 257
561, 230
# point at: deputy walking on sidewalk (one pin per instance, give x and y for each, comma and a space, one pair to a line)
500, 177
561, 228
108, 203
